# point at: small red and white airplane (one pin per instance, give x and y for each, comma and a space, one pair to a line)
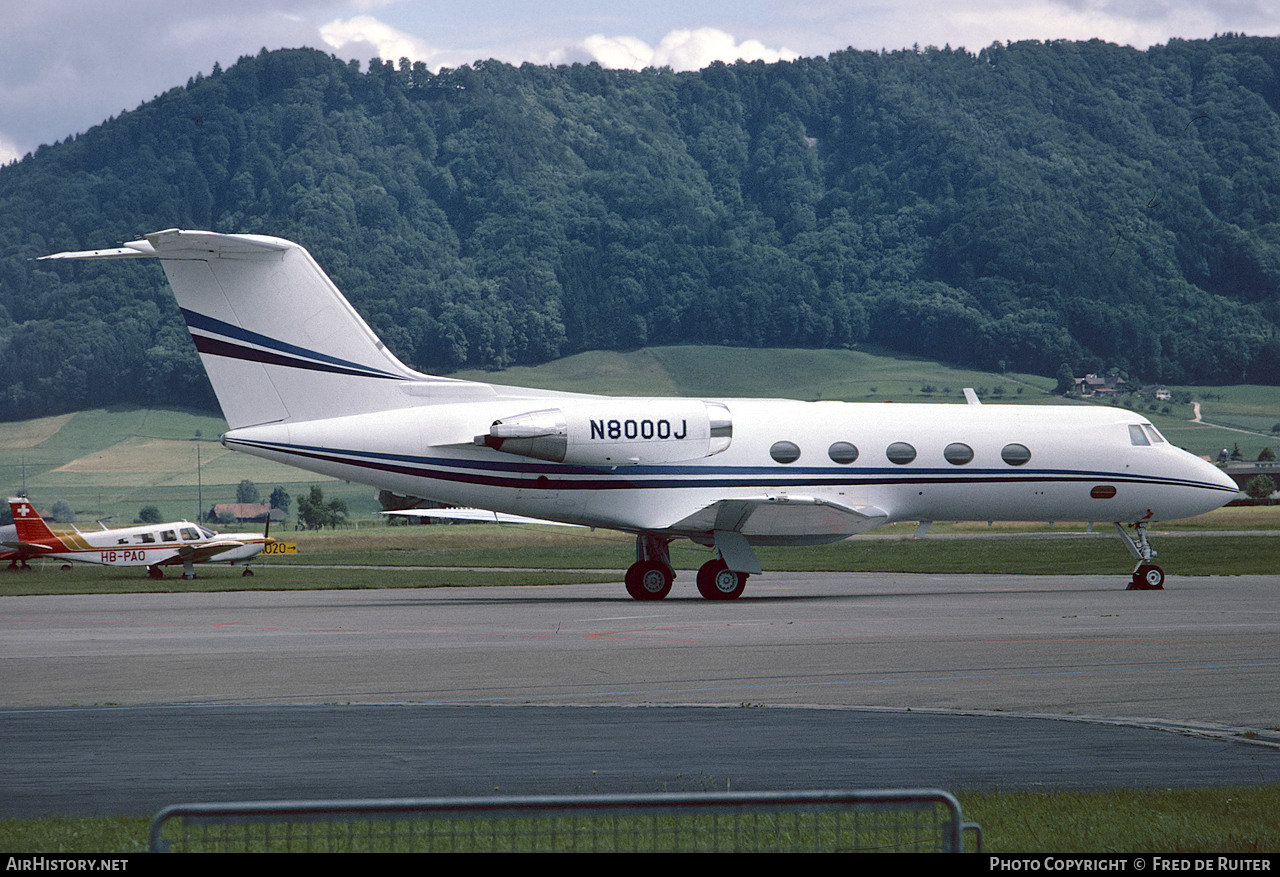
150, 545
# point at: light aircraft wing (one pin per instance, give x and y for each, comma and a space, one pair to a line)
474, 515
203, 552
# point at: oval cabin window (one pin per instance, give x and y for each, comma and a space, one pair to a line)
785, 452
1103, 491
1015, 454
842, 452
900, 453
957, 453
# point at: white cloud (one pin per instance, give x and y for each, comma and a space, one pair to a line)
9, 151
368, 33
680, 50
627, 53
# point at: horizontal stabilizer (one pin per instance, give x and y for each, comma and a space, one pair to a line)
30, 548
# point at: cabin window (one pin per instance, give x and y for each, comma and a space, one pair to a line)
957, 453
147, 537
189, 534
900, 453
1137, 436
785, 452
1103, 491
1015, 454
168, 536
842, 452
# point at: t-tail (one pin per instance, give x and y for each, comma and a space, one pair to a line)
27, 522
278, 340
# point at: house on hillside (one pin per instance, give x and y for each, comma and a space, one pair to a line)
1094, 385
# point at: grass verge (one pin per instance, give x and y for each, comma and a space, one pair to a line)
1165, 821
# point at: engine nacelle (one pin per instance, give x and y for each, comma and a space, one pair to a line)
616, 432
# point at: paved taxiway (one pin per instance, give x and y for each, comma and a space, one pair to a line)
188, 695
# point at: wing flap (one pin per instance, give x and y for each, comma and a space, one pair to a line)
482, 515
783, 519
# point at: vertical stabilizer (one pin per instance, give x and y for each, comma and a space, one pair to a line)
279, 341
30, 526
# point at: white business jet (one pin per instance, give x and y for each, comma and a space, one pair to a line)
303, 380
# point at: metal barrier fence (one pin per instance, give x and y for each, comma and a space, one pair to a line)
889, 821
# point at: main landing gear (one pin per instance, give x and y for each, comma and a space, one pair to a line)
1146, 575
651, 576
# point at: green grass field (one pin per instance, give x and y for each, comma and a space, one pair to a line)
1168, 821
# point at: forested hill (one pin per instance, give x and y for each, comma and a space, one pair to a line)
1031, 205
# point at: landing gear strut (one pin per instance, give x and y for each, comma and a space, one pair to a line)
650, 577
1146, 575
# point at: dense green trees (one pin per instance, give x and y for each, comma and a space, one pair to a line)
1033, 204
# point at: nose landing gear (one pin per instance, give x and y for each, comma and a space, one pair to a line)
1146, 575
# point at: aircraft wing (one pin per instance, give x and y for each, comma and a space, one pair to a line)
203, 552
483, 515
783, 519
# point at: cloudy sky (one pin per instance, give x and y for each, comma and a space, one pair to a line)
66, 65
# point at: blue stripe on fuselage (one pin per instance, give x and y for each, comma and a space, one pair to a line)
516, 474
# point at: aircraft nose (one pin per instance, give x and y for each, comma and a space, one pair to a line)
1222, 479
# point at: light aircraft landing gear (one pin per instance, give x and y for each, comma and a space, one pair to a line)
717, 582
1146, 575
247, 572
155, 572
650, 577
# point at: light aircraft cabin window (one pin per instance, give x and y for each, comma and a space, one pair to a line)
147, 537
957, 453
1137, 436
189, 534
900, 453
785, 452
207, 533
1015, 454
168, 536
842, 452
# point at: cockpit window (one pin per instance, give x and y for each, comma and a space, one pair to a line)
1152, 433
1137, 436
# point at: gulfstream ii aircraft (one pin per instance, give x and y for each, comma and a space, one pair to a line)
303, 380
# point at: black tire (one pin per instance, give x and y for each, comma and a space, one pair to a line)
648, 580
1148, 577
717, 582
